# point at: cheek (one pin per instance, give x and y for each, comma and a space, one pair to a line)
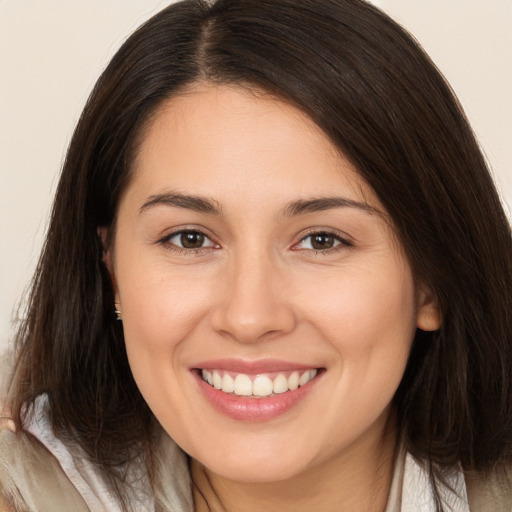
360, 310
369, 322
370, 325
161, 310
159, 306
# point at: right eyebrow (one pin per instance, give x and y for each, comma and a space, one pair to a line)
304, 206
189, 202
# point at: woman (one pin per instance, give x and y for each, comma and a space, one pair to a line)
277, 276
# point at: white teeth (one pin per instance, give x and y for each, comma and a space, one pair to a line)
207, 377
228, 384
293, 381
261, 386
217, 380
304, 378
243, 385
280, 384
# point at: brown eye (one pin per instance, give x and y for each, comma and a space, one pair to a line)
322, 241
192, 239
189, 240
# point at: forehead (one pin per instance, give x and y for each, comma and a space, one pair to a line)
229, 140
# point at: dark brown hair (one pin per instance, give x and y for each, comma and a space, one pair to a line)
380, 99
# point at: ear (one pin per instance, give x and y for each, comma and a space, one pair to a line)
108, 257
428, 313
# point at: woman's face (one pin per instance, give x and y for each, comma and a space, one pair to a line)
249, 253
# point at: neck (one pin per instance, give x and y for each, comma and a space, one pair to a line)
357, 480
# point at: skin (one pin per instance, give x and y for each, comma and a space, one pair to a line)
257, 290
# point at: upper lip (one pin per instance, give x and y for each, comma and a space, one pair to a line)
252, 367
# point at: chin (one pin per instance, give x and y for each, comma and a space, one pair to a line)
258, 464
260, 472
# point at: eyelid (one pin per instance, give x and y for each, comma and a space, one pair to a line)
345, 240
180, 233
165, 240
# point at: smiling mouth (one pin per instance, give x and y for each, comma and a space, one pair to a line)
257, 386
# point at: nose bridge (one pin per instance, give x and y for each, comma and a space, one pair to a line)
253, 305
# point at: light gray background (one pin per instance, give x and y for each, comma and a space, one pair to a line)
52, 51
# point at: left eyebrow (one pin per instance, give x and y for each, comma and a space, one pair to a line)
188, 202
304, 206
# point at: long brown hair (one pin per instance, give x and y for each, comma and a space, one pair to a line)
380, 99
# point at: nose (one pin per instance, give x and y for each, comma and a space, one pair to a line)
253, 304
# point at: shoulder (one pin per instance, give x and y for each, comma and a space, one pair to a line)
40, 471
31, 478
412, 488
490, 493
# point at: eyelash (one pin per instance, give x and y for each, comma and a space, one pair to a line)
166, 241
343, 243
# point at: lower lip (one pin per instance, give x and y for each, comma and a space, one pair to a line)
254, 409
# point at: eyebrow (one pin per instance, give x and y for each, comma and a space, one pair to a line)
295, 208
195, 203
304, 206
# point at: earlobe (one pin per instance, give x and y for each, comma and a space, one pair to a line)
428, 315
107, 256
103, 236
